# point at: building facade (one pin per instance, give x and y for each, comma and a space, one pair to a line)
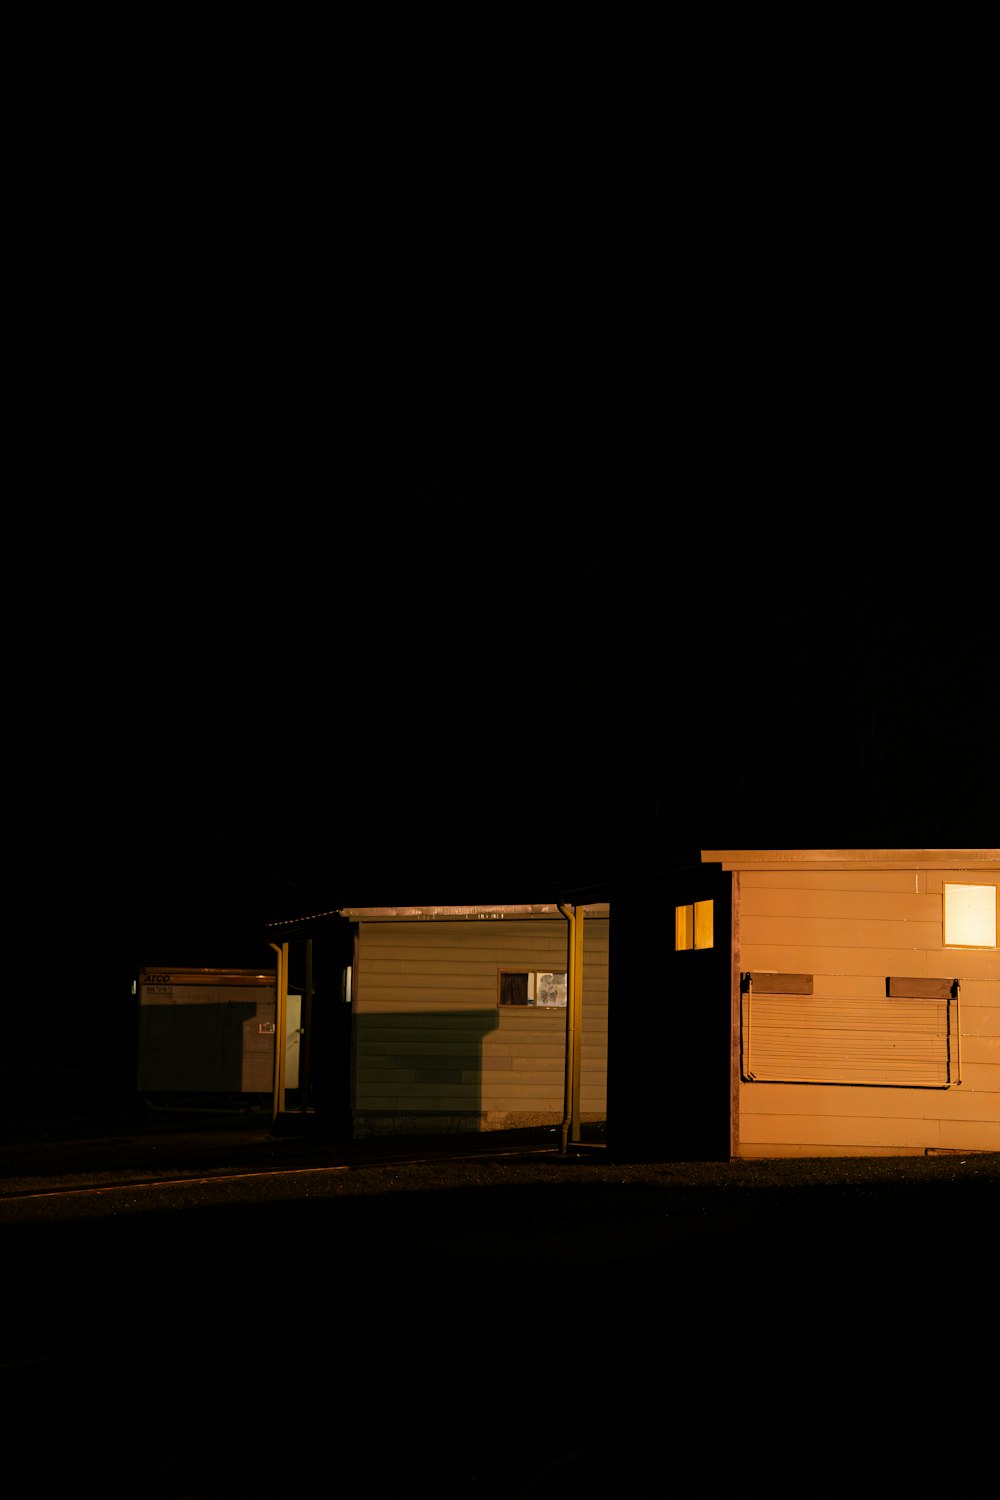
756, 1003
460, 1017
808, 1002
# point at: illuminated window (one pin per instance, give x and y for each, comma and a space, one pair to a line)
693, 925
970, 916
532, 987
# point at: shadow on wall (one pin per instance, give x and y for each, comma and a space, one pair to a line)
422, 1070
192, 1048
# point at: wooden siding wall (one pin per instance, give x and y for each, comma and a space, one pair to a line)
434, 1050
201, 1037
852, 930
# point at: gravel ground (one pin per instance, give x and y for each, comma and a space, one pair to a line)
72, 1151
483, 1316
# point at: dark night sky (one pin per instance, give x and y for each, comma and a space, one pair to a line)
647, 371
483, 714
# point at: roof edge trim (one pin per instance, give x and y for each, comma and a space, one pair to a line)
749, 859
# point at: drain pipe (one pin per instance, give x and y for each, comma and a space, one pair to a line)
574, 986
280, 1022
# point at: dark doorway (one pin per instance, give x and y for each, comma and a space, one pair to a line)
669, 1017
320, 965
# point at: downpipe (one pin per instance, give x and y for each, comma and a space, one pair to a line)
570, 1128
280, 1015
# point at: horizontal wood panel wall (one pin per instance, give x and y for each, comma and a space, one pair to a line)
433, 1049
852, 930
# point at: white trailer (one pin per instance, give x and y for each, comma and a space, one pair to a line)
211, 1030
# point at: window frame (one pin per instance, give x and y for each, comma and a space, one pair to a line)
968, 885
692, 927
532, 976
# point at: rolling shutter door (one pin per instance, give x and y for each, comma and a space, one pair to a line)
790, 1035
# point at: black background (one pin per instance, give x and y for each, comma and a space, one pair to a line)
504, 459
567, 454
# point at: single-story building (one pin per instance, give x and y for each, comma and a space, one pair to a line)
461, 1016
211, 1031
758, 1003
807, 1002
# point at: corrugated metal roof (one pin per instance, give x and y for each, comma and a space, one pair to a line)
457, 913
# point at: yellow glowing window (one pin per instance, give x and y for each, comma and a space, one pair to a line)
693, 925
970, 916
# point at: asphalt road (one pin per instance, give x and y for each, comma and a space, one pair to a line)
278, 1318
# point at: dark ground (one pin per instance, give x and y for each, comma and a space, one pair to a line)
485, 1316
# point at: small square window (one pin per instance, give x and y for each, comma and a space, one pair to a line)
694, 925
550, 989
513, 989
970, 916
535, 987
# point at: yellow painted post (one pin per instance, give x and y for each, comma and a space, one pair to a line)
280, 1022
282, 1027
567, 1122
305, 1043
574, 1023
575, 998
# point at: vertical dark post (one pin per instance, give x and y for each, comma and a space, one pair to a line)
575, 998
305, 1044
